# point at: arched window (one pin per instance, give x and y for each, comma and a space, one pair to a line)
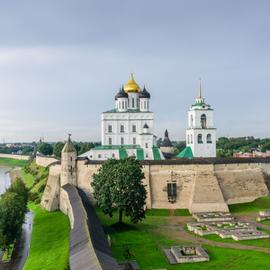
203, 120
133, 103
134, 140
191, 121
188, 141
122, 140
122, 129
209, 138
191, 138
110, 141
133, 128
200, 138
110, 128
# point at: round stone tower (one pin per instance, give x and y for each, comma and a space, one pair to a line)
68, 163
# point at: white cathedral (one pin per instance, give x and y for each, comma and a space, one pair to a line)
128, 129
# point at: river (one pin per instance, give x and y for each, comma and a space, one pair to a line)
4, 179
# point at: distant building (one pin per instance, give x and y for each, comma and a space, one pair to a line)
254, 154
166, 146
127, 130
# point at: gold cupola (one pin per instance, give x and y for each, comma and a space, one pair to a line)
132, 86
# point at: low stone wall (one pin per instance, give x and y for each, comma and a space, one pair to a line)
45, 161
20, 157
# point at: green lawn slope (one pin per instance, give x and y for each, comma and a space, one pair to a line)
50, 241
10, 162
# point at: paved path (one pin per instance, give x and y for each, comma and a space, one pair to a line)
175, 231
21, 253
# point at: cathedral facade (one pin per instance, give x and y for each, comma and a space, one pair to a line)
128, 129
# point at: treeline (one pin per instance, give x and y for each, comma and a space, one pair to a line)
13, 207
55, 149
227, 146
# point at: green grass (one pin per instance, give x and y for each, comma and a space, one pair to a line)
146, 244
166, 212
10, 162
262, 203
28, 179
49, 248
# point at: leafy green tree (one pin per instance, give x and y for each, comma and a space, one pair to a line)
118, 186
12, 211
45, 149
57, 148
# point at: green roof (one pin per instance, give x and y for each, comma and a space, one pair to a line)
140, 154
115, 147
186, 153
156, 153
122, 153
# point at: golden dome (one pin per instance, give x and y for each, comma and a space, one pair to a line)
132, 86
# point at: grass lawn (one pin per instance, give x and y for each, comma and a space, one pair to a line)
166, 212
145, 244
10, 162
49, 248
28, 179
262, 203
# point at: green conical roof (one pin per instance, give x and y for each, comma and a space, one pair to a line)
186, 153
69, 147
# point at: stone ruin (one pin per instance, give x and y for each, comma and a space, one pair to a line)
225, 226
264, 215
186, 254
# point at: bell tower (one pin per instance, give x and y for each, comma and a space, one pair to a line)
68, 163
201, 133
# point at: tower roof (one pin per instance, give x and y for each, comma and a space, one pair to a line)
144, 93
132, 86
121, 93
166, 141
69, 147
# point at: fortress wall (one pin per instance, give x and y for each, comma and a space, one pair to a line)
20, 157
241, 182
50, 198
182, 175
45, 161
85, 174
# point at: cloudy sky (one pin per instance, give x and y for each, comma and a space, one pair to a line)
61, 63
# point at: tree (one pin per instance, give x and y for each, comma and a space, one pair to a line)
118, 186
57, 149
45, 149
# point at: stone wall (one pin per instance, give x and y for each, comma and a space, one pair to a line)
20, 157
45, 161
200, 187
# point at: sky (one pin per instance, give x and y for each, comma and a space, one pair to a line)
62, 62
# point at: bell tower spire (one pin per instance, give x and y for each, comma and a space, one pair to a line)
200, 98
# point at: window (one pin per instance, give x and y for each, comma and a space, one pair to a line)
113, 155
122, 129
146, 145
203, 120
171, 192
133, 103
188, 139
110, 128
110, 141
191, 138
209, 138
99, 155
122, 140
200, 138
71, 159
134, 128
191, 121
134, 140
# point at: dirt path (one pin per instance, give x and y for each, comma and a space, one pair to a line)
175, 231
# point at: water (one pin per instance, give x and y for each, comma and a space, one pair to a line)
4, 179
